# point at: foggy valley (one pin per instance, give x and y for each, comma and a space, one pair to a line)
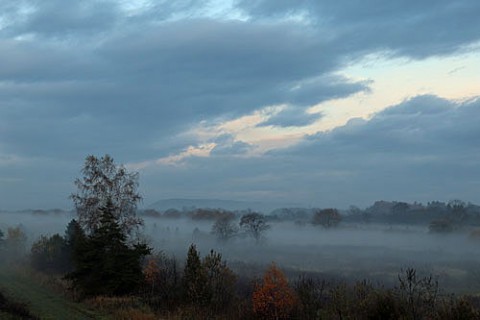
352, 250
240, 160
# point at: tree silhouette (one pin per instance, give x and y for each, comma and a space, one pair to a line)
255, 225
220, 289
327, 218
16, 242
194, 278
2, 240
224, 228
50, 254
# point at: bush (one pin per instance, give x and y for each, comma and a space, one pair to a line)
51, 255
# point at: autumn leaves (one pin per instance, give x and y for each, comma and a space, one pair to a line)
273, 298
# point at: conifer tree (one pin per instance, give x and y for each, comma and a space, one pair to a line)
220, 289
194, 278
104, 263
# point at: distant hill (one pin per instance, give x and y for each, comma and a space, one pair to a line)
233, 205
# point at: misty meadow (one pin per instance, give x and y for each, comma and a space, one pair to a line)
389, 260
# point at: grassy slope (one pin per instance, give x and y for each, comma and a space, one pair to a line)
7, 316
42, 301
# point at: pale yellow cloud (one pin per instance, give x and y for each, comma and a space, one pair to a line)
201, 150
392, 81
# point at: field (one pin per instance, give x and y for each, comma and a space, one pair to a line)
40, 298
351, 252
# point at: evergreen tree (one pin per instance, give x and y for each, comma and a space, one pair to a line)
104, 263
220, 288
194, 278
74, 239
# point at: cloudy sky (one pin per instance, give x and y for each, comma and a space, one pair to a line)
325, 103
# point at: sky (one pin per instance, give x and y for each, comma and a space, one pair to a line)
318, 103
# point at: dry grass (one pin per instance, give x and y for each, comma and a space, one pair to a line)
122, 308
133, 314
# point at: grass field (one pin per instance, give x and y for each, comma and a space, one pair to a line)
41, 301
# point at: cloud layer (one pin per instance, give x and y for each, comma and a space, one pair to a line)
134, 80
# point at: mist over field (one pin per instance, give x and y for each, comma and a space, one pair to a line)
351, 251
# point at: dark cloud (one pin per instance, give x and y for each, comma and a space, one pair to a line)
60, 18
424, 126
414, 28
138, 89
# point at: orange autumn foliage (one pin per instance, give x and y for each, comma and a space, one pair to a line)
274, 299
151, 272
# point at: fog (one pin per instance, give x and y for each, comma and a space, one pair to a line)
351, 251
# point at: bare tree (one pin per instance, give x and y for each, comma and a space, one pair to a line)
255, 225
104, 181
419, 293
224, 228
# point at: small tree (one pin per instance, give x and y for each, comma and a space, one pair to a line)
220, 289
2, 245
418, 293
50, 254
457, 211
274, 299
2, 240
327, 218
194, 278
74, 235
103, 181
255, 225
311, 296
224, 229
163, 281
16, 242
152, 274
